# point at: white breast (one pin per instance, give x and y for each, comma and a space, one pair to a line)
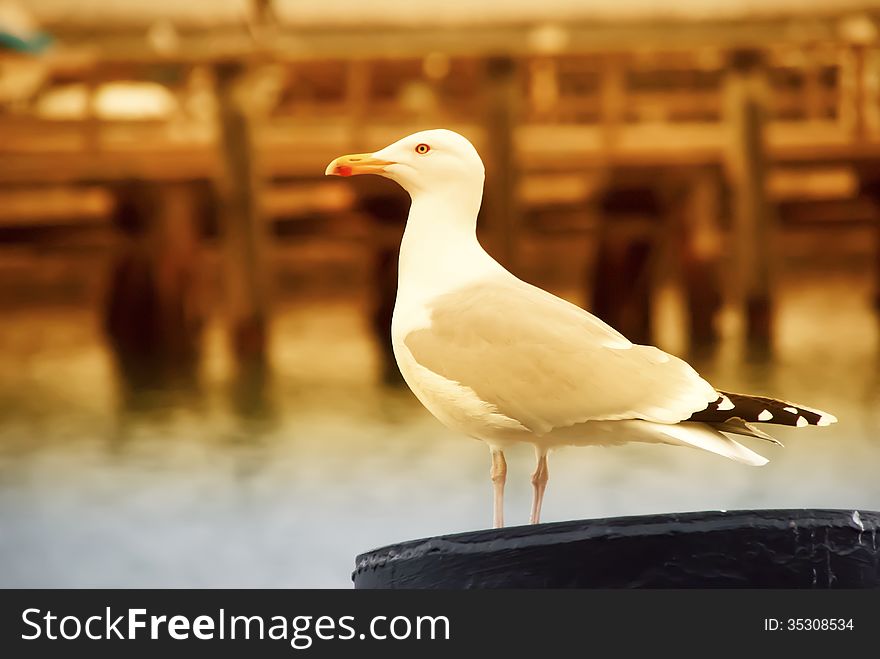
456, 406
440, 253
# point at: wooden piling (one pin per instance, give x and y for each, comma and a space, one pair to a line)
753, 223
387, 212
701, 247
630, 217
155, 309
502, 212
612, 101
242, 224
869, 186
851, 101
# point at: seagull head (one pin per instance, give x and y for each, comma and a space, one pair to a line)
430, 160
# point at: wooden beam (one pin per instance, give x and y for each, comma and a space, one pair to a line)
315, 41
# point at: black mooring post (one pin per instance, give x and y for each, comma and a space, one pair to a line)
738, 549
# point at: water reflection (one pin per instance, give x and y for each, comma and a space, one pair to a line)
185, 490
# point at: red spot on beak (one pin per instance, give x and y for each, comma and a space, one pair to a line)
343, 170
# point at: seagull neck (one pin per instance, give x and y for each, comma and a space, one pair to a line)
440, 244
444, 213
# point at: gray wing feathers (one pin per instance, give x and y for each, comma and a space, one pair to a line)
547, 363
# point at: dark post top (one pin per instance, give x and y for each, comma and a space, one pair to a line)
745, 549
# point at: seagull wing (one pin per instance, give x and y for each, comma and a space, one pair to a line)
547, 363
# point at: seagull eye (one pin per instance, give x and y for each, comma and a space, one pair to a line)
422, 149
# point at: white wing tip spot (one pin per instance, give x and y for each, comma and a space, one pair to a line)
765, 415
801, 422
826, 420
725, 404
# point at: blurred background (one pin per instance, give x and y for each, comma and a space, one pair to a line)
196, 385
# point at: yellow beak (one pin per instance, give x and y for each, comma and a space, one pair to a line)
356, 163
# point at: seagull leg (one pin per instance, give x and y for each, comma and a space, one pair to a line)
539, 483
498, 474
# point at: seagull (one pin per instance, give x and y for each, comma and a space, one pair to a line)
500, 360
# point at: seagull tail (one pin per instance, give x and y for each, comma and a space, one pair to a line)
702, 436
742, 409
737, 426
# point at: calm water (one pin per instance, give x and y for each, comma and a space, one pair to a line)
190, 493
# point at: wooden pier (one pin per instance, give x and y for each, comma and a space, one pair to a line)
670, 145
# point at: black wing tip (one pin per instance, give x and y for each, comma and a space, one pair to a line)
760, 409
